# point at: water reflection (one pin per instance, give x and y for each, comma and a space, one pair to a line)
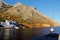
27, 33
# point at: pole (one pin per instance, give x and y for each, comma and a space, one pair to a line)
52, 29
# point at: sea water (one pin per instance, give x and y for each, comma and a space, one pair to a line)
57, 30
29, 33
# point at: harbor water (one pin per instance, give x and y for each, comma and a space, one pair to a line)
27, 33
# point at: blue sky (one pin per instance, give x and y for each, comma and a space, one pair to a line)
46, 7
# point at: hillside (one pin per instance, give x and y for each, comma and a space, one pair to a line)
26, 15
4, 6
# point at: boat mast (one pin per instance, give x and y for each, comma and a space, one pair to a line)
52, 29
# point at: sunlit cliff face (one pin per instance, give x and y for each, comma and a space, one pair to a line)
24, 14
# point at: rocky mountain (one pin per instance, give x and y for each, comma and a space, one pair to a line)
26, 15
4, 6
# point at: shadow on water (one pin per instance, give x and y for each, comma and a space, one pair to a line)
1, 34
30, 33
25, 34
